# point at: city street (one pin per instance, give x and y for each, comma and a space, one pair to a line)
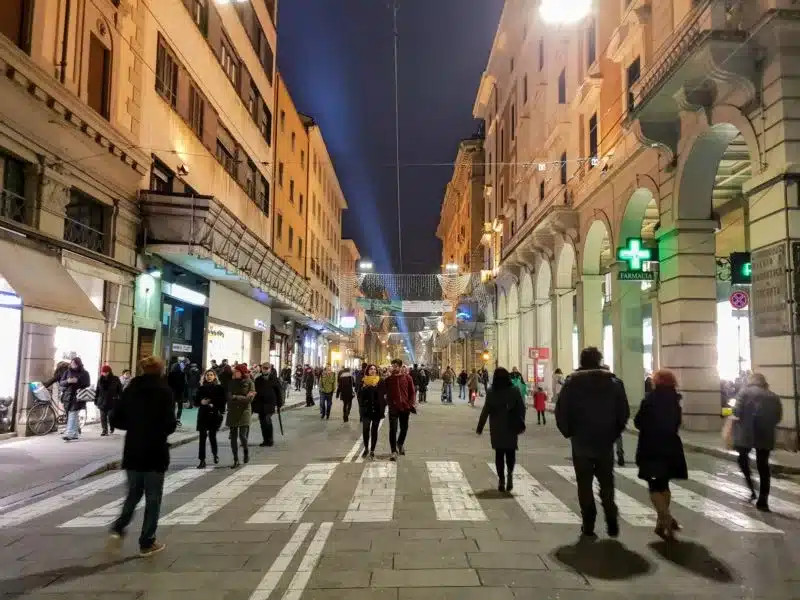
309, 519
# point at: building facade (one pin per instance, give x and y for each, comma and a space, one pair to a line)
637, 159
353, 316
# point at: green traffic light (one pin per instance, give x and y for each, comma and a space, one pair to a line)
747, 270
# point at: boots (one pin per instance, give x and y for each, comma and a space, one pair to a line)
509, 482
664, 524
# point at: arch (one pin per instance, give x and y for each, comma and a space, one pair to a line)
513, 300
502, 304
565, 266
526, 289
489, 311
599, 232
631, 224
544, 280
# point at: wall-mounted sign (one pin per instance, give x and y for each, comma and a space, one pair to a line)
739, 299
181, 348
539, 353
635, 254
215, 333
636, 276
184, 294
770, 292
260, 325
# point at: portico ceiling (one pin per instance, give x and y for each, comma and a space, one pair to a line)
734, 169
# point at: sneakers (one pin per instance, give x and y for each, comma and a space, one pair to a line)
509, 483
402, 451
154, 548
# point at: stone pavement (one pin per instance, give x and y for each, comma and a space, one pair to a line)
309, 520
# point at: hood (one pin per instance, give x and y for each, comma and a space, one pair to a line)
346, 373
598, 371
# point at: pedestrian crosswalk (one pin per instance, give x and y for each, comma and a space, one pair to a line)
375, 492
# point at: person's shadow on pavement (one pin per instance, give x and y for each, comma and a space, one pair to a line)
696, 558
604, 559
17, 587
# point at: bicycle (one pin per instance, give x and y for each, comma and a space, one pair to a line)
45, 415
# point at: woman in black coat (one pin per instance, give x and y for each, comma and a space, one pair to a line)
505, 410
659, 451
371, 409
210, 400
346, 390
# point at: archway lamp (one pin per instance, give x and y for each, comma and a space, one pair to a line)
564, 12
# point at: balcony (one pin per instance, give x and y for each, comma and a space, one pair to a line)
203, 236
15, 207
539, 233
587, 98
557, 124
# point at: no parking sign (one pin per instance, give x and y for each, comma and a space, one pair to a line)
739, 299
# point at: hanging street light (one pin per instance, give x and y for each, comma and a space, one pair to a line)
564, 12
365, 266
451, 268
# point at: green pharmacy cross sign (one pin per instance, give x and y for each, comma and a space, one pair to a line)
635, 254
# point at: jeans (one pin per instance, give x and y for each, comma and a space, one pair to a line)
447, 392
179, 404
396, 440
265, 422
541, 417
240, 434
504, 461
369, 429
347, 406
325, 404
211, 435
762, 464
151, 485
586, 469
105, 418
423, 393
461, 391
73, 424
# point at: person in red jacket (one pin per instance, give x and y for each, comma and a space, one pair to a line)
540, 404
400, 396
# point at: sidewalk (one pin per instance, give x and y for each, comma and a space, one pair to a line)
32, 466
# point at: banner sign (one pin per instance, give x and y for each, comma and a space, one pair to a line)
406, 306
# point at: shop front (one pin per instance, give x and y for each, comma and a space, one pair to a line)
184, 307
238, 328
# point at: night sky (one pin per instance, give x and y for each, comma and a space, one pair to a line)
336, 56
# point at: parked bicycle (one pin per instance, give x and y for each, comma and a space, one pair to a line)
45, 414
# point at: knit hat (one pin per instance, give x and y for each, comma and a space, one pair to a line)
242, 369
105, 370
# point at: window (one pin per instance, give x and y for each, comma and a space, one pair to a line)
291, 190
489, 164
300, 247
502, 145
86, 222
512, 65
591, 42
230, 64
15, 21
226, 151
564, 169
294, 141
513, 228
513, 122
525, 88
592, 138
279, 227
303, 159
634, 72
562, 87
541, 191
300, 204
525, 212
541, 54
99, 81
166, 74
291, 238
196, 110
251, 176
253, 100
161, 177
200, 15
283, 120
280, 174
13, 204
266, 123
266, 56
263, 196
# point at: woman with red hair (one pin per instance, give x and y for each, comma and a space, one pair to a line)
659, 452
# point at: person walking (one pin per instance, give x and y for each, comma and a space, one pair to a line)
591, 411
268, 398
422, 386
210, 400
505, 410
400, 398
371, 409
240, 398
327, 386
540, 405
177, 383
485, 380
146, 412
447, 385
193, 380
659, 450
473, 384
462, 384
308, 384
346, 390
757, 413
109, 389
74, 380
519, 383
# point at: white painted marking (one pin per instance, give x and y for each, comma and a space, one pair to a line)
631, 510
300, 580
294, 498
714, 511
281, 563
209, 502
373, 499
359, 457
730, 488
783, 485
63, 500
105, 515
353, 451
452, 495
539, 504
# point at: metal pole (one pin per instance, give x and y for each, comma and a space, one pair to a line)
397, 135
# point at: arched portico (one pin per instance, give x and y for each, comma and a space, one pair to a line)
594, 259
513, 327
527, 320
502, 327
563, 307
544, 325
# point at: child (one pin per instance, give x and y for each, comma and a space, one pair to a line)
539, 399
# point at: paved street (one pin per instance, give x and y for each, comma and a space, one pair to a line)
309, 520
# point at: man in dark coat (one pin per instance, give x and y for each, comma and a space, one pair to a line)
109, 389
146, 411
269, 394
591, 411
400, 398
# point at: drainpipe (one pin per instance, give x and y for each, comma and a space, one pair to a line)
793, 309
65, 41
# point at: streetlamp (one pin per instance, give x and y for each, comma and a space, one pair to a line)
365, 266
451, 268
559, 12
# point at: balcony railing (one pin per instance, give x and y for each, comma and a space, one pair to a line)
84, 236
15, 207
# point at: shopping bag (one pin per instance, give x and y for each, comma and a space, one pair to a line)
41, 393
727, 432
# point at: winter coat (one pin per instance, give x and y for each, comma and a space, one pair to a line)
308, 379
521, 386
193, 377
69, 391
591, 411
177, 381
269, 394
146, 411
473, 382
758, 412
239, 402
109, 389
327, 383
346, 385
209, 416
462, 378
659, 450
447, 376
400, 394
372, 402
539, 401
286, 375
505, 410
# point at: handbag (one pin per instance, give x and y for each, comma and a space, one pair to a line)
86, 394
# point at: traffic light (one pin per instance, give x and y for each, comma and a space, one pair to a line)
741, 269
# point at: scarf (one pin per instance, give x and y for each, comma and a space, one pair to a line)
371, 380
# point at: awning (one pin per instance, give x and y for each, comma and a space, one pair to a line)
50, 296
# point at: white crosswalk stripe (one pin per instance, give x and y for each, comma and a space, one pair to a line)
105, 515
373, 499
631, 510
714, 511
539, 504
740, 491
295, 497
452, 495
209, 502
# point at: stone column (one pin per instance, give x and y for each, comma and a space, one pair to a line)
528, 337
514, 341
544, 334
687, 296
626, 320
562, 322
502, 343
590, 311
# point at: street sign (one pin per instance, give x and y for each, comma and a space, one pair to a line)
539, 353
635, 254
636, 275
740, 314
739, 299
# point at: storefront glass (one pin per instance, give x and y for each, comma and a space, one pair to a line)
733, 341
11, 326
228, 343
87, 345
